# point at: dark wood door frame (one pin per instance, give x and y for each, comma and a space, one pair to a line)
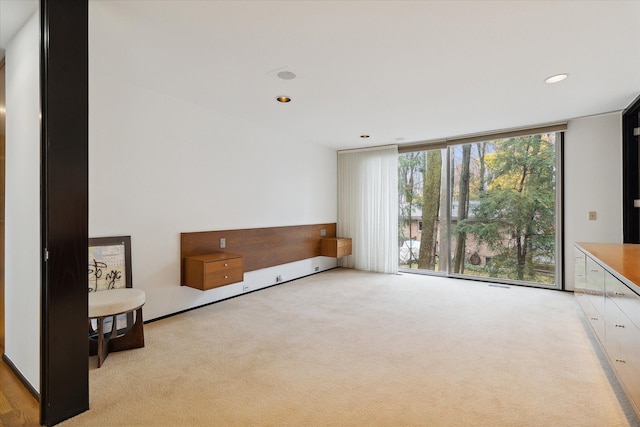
630, 173
64, 366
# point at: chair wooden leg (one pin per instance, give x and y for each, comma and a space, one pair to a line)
134, 338
102, 348
104, 343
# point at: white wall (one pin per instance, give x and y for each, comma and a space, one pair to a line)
593, 182
159, 166
22, 241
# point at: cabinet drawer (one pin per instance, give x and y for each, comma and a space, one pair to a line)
580, 264
223, 277
344, 248
623, 349
212, 270
227, 264
343, 242
595, 284
627, 300
595, 319
335, 247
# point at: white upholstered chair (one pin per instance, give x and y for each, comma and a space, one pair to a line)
107, 305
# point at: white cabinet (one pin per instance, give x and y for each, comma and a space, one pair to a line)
613, 310
623, 335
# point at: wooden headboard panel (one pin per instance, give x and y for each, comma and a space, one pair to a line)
260, 247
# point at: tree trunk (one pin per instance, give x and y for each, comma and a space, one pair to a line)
521, 257
430, 209
463, 209
523, 235
482, 149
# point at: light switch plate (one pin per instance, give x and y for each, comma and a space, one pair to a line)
592, 215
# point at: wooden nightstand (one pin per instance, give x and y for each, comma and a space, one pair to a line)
212, 270
335, 247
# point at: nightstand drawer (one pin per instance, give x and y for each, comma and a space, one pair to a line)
212, 270
227, 264
335, 247
342, 242
223, 277
344, 249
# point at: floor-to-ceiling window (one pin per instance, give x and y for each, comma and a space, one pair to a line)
422, 192
487, 209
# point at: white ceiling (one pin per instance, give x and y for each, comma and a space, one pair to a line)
416, 70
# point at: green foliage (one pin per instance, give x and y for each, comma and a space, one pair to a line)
515, 216
509, 189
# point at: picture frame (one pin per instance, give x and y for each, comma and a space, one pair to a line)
109, 263
110, 268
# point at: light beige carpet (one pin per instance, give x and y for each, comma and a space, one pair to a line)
349, 348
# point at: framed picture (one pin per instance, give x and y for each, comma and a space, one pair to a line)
110, 268
109, 263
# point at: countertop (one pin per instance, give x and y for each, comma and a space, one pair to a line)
621, 259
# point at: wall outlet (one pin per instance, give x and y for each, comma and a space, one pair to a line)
278, 279
317, 269
245, 288
592, 215
323, 232
223, 243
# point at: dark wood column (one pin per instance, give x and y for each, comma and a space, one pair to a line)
64, 378
630, 173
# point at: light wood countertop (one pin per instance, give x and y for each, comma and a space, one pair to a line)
622, 260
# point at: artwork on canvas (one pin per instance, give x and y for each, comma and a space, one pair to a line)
110, 268
109, 263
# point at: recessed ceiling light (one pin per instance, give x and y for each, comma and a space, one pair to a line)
286, 75
283, 99
364, 136
557, 78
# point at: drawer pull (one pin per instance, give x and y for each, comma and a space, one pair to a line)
621, 294
226, 277
593, 318
594, 270
621, 361
226, 265
618, 325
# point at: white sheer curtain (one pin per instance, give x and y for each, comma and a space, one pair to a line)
368, 207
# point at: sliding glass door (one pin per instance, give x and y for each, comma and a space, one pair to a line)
492, 214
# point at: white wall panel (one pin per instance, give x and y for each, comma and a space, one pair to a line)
22, 215
159, 166
593, 182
